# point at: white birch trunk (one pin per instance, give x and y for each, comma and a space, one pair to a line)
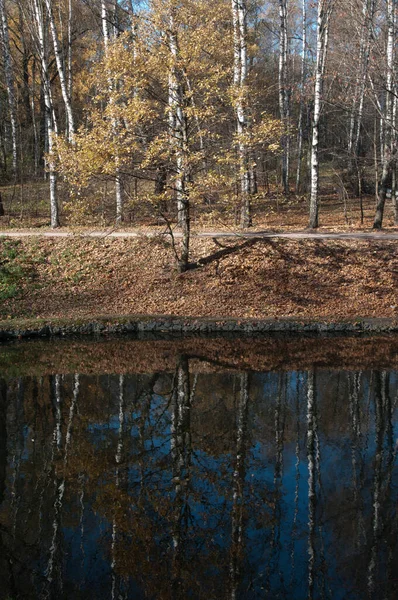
104, 23
179, 140
355, 94
368, 9
301, 113
10, 84
393, 141
284, 92
61, 72
388, 156
69, 64
324, 11
34, 124
51, 123
239, 19
118, 178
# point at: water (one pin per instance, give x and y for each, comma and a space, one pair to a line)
197, 478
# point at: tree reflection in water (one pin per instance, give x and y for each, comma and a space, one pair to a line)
199, 483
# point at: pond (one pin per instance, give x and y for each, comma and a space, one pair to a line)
197, 468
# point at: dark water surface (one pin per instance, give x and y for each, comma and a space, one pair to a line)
198, 479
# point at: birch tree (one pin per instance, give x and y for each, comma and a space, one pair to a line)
302, 86
284, 100
178, 133
61, 70
239, 20
325, 8
10, 84
39, 31
389, 151
109, 33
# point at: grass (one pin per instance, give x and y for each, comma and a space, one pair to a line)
16, 270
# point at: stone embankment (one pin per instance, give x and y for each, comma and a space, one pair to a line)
190, 325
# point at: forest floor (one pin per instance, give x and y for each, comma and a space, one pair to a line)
81, 277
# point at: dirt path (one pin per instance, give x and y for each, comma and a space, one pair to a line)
291, 235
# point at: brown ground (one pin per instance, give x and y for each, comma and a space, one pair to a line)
43, 357
28, 208
255, 278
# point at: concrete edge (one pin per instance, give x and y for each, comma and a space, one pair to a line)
190, 325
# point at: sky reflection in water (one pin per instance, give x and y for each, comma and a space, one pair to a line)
199, 483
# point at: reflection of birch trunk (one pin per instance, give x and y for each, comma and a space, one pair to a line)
181, 450
297, 488
377, 483
238, 486
311, 457
279, 423
18, 445
81, 519
3, 475
3, 437
118, 460
145, 407
391, 532
391, 450
355, 416
60, 483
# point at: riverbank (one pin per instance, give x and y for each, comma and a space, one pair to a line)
97, 284
159, 353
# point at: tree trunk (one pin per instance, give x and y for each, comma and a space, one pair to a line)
324, 11
239, 18
8, 68
51, 124
61, 72
389, 153
301, 113
118, 178
179, 137
284, 93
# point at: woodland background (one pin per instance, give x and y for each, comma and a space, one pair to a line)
143, 112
